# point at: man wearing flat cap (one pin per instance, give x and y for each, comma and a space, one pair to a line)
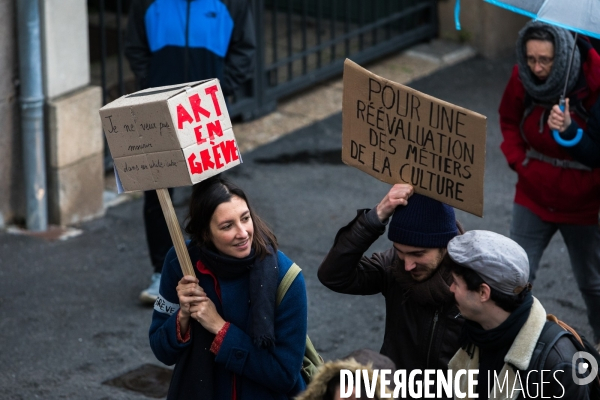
422, 324
504, 323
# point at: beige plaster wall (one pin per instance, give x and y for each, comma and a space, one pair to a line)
491, 30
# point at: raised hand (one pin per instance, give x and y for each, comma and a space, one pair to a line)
397, 196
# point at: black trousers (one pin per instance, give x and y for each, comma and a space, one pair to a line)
157, 232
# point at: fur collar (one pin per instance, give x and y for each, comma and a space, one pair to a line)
522, 348
519, 354
330, 370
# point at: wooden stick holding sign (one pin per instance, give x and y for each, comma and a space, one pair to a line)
167, 137
400, 135
175, 231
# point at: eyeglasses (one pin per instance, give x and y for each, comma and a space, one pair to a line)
543, 61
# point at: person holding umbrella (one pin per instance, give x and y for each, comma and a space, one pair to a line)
558, 187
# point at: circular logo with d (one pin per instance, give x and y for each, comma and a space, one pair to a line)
585, 368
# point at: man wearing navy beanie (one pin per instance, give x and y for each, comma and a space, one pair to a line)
423, 325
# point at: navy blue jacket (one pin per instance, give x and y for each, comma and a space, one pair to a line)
175, 41
260, 373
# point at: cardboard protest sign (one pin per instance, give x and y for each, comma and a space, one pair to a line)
170, 136
400, 135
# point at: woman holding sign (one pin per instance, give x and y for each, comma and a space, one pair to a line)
222, 328
558, 187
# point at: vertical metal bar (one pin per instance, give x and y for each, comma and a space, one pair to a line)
398, 24
32, 114
388, 31
332, 27
433, 18
290, 73
120, 50
319, 19
102, 50
347, 27
304, 44
407, 25
361, 22
108, 162
358, 13
374, 10
259, 84
274, 37
186, 58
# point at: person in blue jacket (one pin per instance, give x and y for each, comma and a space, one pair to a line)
221, 327
169, 42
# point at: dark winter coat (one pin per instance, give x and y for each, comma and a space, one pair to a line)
557, 384
176, 41
270, 374
553, 193
416, 336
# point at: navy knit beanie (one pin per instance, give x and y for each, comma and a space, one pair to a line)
423, 222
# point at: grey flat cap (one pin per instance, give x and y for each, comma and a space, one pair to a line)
500, 261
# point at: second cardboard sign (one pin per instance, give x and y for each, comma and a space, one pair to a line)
400, 135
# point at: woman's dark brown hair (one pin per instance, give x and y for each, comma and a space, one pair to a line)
206, 197
536, 34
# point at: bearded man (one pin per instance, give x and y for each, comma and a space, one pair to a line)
422, 325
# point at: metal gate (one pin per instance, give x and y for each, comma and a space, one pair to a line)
300, 43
